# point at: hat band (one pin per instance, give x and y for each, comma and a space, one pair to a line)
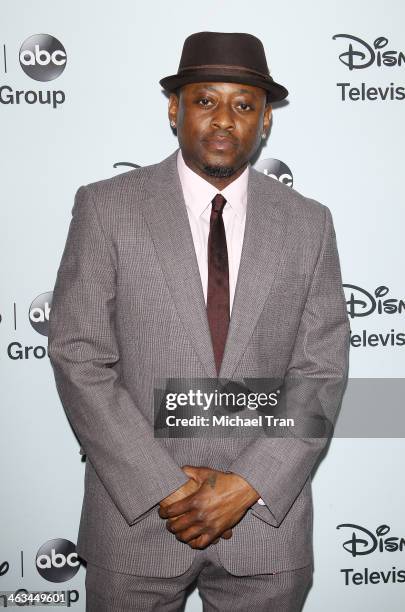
225, 67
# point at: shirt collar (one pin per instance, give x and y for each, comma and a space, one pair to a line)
199, 193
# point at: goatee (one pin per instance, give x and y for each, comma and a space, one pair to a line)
219, 171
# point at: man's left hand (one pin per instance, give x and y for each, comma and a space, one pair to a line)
218, 505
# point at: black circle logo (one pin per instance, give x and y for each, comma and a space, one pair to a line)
43, 57
276, 169
57, 560
39, 312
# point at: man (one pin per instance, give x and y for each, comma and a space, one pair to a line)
198, 267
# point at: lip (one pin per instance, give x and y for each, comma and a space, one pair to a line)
220, 143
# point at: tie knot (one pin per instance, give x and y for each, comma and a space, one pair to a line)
218, 203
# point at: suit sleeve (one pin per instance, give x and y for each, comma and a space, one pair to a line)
315, 381
134, 467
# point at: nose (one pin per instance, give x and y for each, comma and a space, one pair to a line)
223, 118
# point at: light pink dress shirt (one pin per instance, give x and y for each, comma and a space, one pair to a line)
198, 195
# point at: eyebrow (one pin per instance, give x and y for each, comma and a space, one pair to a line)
212, 88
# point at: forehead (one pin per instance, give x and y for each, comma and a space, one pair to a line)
223, 88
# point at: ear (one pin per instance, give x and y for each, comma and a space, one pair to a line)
173, 108
267, 118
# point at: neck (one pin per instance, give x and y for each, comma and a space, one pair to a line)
218, 182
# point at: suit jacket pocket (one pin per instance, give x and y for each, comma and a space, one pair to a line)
301, 506
145, 514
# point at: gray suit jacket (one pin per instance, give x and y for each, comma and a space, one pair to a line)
128, 308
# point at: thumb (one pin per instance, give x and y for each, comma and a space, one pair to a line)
191, 472
200, 473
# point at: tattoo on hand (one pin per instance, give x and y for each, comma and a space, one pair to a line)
212, 480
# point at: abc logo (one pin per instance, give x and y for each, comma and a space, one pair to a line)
276, 169
39, 312
57, 560
42, 57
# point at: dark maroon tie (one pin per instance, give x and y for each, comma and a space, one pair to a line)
218, 280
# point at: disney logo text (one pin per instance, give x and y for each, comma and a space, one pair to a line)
4, 567
363, 55
361, 303
365, 542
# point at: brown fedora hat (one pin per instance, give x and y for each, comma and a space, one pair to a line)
224, 57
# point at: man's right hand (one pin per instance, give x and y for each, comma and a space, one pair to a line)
190, 487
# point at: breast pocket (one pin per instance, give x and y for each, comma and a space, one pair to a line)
275, 333
286, 298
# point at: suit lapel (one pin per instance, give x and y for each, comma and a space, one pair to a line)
265, 231
166, 216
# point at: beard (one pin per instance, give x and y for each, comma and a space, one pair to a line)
219, 171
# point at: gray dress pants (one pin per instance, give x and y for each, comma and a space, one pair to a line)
220, 591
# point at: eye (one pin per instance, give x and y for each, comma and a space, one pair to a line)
244, 106
204, 102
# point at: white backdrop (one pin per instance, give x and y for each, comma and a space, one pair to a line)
347, 154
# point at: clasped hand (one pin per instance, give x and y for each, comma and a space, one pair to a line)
207, 506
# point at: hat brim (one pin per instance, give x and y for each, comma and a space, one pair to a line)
275, 91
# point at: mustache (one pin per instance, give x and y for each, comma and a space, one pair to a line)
221, 134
